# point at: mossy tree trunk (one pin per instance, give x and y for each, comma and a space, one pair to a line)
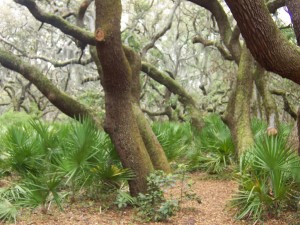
261, 77
237, 115
154, 149
120, 122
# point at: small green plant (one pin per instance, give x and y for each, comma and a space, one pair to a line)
8, 211
175, 138
124, 199
186, 186
51, 161
153, 206
267, 179
10, 202
42, 191
213, 148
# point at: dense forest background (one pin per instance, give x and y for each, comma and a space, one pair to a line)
174, 86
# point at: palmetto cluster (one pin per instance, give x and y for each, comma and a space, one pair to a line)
49, 162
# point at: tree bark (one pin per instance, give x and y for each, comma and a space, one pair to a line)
261, 78
120, 122
237, 115
265, 41
294, 11
154, 149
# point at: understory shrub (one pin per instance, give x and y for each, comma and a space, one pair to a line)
47, 162
213, 149
175, 139
268, 179
155, 205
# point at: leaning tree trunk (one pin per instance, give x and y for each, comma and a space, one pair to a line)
268, 101
120, 122
237, 115
154, 149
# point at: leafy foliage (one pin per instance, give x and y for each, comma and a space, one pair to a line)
267, 179
175, 138
49, 161
213, 150
153, 206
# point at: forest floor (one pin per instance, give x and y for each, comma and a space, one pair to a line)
213, 210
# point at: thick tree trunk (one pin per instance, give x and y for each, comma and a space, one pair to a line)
154, 149
237, 115
267, 44
268, 101
120, 122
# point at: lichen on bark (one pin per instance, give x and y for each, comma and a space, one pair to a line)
237, 115
120, 122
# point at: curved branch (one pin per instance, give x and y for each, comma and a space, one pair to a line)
286, 104
162, 32
224, 52
10, 91
90, 79
224, 26
167, 81
265, 41
274, 5
63, 63
62, 101
58, 22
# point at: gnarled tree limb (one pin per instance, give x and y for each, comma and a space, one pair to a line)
63, 102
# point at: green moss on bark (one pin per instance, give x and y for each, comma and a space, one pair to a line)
237, 115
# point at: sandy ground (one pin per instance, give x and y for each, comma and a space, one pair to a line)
213, 210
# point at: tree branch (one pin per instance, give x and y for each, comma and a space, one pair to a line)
226, 55
63, 102
167, 27
63, 63
58, 22
287, 106
224, 26
154, 113
167, 81
90, 79
268, 46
